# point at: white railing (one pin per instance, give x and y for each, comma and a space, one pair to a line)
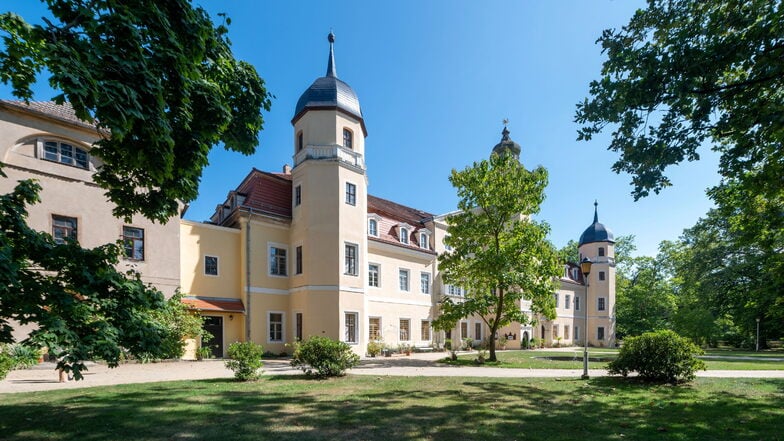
332, 151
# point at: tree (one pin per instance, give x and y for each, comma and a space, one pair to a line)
499, 254
644, 298
158, 80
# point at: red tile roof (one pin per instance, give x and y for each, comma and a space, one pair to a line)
214, 304
62, 112
267, 192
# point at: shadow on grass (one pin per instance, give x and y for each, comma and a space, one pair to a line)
399, 408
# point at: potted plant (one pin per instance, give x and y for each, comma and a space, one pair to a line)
203, 352
502, 342
374, 347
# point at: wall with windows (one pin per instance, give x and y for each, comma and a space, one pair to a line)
210, 260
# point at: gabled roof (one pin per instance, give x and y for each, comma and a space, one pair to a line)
266, 192
61, 112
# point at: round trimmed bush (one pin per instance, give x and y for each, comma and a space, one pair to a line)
245, 360
323, 357
660, 356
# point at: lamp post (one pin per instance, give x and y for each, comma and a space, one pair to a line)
585, 267
758, 320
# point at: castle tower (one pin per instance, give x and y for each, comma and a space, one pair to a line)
597, 243
328, 229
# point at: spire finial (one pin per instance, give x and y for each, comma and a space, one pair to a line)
505, 132
331, 71
595, 211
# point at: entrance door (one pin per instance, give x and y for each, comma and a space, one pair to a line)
214, 325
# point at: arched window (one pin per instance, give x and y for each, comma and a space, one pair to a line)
348, 139
373, 227
404, 235
65, 153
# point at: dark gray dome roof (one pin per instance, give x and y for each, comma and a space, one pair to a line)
329, 92
597, 232
507, 145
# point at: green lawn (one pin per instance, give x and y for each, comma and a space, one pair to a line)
599, 357
401, 408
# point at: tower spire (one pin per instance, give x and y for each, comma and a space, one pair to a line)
595, 211
331, 71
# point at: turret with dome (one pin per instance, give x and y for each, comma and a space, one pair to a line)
506, 145
596, 232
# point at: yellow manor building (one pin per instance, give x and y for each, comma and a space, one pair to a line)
294, 254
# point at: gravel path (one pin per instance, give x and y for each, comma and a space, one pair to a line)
43, 377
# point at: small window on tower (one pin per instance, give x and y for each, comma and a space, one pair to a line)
300, 141
348, 139
601, 251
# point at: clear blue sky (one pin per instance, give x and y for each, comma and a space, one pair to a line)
435, 79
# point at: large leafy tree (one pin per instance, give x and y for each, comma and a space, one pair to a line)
159, 81
500, 255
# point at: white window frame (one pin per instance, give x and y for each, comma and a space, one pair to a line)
270, 246
404, 238
400, 328
424, 234
351, 197
380, 336
425, 288
346, 269
375, 218
400, 272
356, 335
378, 275
282, 327
567, 301
217, 265
373, 227
58, 159
350, 133
72, 231
133, 239
429, 330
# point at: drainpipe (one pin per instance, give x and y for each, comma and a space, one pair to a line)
247, 277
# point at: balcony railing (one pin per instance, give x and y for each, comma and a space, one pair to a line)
329, 152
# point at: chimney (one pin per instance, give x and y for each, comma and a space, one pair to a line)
286, 169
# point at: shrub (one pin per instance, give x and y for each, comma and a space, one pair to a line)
6, 363
245, 360
374, 347
323, 357
661, 356
448, 344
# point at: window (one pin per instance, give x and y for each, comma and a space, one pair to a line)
348, 139
424, 283
566, 332
576, 333
300, 141
351, 327
478, 332
447, 247
555, 331
600, 304
351, 259
297, 195
351, 193
601, 275
211, 265
298, 262
65, 154
567, 301
556, 299
63, 228
601, 251
403, 280
463, 330
374, 328
453, 290
600, 333
405, 329
576, 303
275, 320
373, 227
404, 235
373, 275
277, 261
133, 243
298, 326
425, 330
424, 241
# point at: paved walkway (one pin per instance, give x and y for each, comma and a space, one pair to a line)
44, 377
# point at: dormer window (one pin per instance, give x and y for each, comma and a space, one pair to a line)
373, 227
348, 139
404, 235
424, 239
65, 153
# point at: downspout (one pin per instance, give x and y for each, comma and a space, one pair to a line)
247, 277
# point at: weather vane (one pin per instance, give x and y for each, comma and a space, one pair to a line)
506, 122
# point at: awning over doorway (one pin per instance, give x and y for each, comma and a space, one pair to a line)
217, 304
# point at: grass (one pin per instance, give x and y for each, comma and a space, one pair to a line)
401, 408
599, 357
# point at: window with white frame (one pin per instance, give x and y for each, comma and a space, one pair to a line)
352, 334
447, 247
277, 261
403, 279
297, 195
64, 228
352, 252
275, 320
373, 275
133, 243
351, 193
348, 139
65, 153
425, 331
424, 240
424, 283
374, 328
405, 329
373, 227
567, 301
404, 235
600, 333
211, 265
454, 290
600, 304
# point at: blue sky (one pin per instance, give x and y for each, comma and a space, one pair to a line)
435, 79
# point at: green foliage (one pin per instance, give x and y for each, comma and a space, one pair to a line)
82, 306
374, 347
645, 300
160, 78
245, 360
500, 255
661, 356
204, 353
181, 323
17, 356
323, 357
7, 363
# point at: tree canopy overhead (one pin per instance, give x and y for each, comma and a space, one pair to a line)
159, 81
499, 254
687, 72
